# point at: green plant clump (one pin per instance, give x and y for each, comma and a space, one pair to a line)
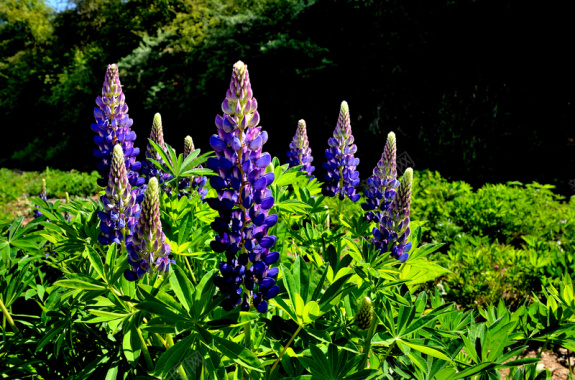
232, 265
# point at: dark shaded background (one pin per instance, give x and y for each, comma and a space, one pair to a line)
437, 73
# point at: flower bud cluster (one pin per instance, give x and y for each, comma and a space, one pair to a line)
383, 183
118, 220
41, 195
364, 317
342, 176
197, 183
113, 126
393, 231
300, 152
243, 200
148, 249
149, 169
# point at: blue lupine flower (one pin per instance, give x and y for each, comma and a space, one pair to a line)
393, 231
300, 152
198, 182
342, 176
118, 220
113, 126
148, 248
383, 182
41, 195
149, 169
243, 200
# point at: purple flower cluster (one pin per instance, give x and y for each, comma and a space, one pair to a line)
148, 248
41, 195
118, 220
383, 182
300, 152
113, 126
342, 176
243, 200
393, 231
149, 169
198, 182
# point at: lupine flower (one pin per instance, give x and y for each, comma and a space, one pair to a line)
243, 201
197, 183
393, 231
150, 170
300, 152
118, 220
148, 248
383, 182
364, 317
113, 126
41, 195
341, 177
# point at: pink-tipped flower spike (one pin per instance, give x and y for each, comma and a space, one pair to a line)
148, 249
197, 183
113, 126
150, 170
243, 200
383, 183
121, 210
300, 152
393, 231
341, 177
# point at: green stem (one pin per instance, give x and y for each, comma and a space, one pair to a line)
286, 347
370, 333
8, 316
147, 356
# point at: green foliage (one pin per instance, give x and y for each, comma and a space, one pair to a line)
17, 187
504, 241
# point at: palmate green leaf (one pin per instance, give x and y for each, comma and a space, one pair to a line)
311, 312
301, 277
289, 309
316, 282
182, 286
468, 373
49, 336
289, 283
79, 284
294, 206
167, 162
160, 309
96, 262
238, 353
175, 356
418, 272
132, 346
426, 350
333, 291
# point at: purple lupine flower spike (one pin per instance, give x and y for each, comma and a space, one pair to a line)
113, 126
41, 195
197, 183
243, 200
393, 231
342, 176
148, 248
150, 170
300, 152
118, 220
383, 183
